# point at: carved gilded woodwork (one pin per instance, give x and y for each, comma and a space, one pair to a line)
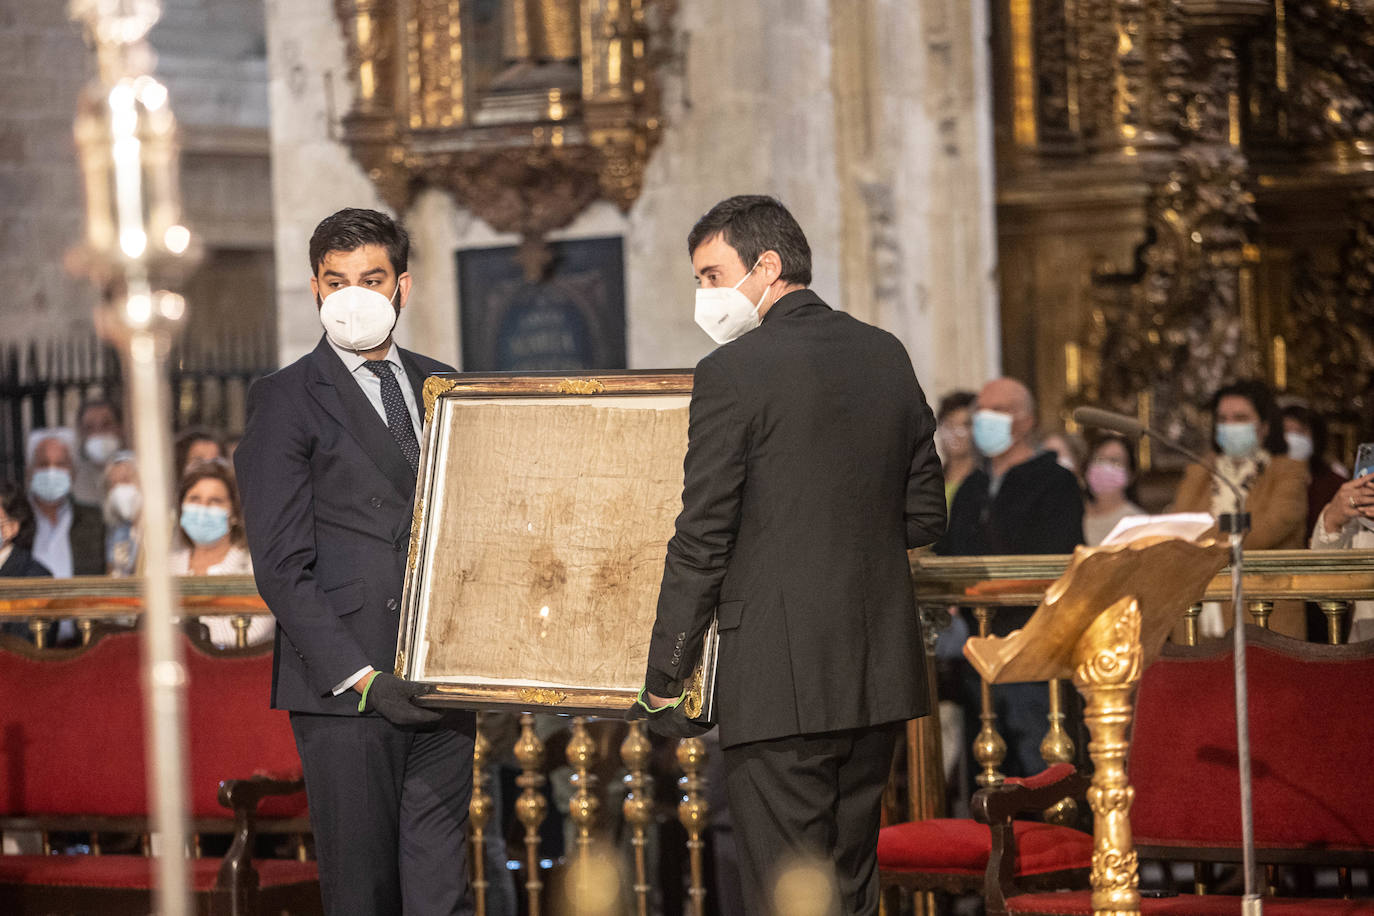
525, 110
1187, 204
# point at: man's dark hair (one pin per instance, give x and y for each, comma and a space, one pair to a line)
16, 506
1262, 399
752, 224
955, 400
351, 229
98, 401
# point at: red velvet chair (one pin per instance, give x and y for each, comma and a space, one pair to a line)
1311, 744
72, 759
960, 855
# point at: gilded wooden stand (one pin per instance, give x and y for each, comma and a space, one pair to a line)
1102, 623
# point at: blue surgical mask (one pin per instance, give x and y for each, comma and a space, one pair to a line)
1236, 440
51, 484
204, 524
992, 432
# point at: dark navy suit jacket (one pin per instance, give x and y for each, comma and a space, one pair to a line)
327, 500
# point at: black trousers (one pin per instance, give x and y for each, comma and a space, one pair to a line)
810, 797
389, 808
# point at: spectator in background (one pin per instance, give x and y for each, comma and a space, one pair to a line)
101, 431
1110, 478
1069, 450
195, 444
1249, 450
122, 506
1021, 502
1347, 523
1305, 432
16, 537
209, 541
954, 440
69, 538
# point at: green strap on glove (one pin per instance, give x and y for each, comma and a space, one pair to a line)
371, 679
639, 699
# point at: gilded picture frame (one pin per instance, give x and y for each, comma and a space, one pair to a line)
543, 509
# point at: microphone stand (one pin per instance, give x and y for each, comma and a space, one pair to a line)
1234, 525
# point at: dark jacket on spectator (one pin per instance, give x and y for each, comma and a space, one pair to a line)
20, 564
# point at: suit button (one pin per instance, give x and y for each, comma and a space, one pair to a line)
391, 604
376, 502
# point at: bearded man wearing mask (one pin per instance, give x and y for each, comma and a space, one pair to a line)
810, 470
1021, 501
327, 467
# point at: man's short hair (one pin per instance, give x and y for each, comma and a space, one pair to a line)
99, 401
64, 434
351, 229
752, 224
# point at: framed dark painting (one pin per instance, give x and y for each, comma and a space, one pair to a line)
573, 319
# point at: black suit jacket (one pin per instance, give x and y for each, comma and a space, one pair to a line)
327, 500
88, 541
810, 470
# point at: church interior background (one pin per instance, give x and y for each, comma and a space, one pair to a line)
1123, 202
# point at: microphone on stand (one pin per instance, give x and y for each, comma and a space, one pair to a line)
1235, 525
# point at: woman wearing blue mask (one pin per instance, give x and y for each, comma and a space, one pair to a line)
1249, 450
209, 540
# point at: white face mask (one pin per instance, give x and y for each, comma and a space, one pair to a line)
1299, 445
100, 447
125, 500
727, 313
357, 318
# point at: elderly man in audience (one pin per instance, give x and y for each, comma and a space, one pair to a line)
69, 538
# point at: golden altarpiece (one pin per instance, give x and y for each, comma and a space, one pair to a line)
525, 110
1186, 195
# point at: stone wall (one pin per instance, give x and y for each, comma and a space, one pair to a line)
759, 100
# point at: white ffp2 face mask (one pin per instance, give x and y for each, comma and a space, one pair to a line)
726, 313
357, 318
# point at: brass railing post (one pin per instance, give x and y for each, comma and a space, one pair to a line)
479, 810
638, 805
38, 628
1335, 614
1057, 747
1190, 624
1260, 611
584, 806
531, 807
692, 811
241, 623
989, 749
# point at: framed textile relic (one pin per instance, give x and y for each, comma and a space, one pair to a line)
542, 516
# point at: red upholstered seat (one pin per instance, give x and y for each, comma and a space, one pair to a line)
962, 846
1079, 903
136, 872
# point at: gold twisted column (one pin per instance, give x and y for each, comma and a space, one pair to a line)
989, 749
1107, 668
584, 806
479, 811
638, 805
531, 807
692, 812
1057, 747
1260, 611
1335, 614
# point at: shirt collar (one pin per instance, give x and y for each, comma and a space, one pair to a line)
353, 362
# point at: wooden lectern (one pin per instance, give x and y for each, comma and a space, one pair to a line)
1102, 623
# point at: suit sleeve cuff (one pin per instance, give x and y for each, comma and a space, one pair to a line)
352, 679
660, 684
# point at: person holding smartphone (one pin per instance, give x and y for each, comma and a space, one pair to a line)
1347, 523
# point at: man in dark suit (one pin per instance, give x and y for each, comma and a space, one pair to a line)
810, 471
327, 467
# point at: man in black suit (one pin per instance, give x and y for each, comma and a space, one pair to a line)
810, 471
327, 467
